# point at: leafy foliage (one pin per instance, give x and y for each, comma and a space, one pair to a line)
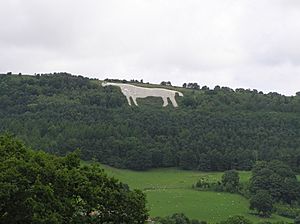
297, 220
230, 181
36, 187
219, 129
177, 218
262, 202
290, 211
276, 178
236, 220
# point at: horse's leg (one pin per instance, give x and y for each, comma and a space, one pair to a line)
165, 99
134, 100
128, 100
172, 98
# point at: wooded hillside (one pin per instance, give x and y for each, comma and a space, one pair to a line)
217, 129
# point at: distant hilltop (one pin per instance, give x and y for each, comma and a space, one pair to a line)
189, 85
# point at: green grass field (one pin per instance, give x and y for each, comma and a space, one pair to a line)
170, 190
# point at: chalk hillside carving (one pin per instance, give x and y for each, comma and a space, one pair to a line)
134, 92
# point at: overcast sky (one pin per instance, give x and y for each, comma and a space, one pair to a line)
237, 43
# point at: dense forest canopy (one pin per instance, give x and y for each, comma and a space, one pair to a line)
213, 129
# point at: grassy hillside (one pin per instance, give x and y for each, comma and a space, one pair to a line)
170, 190
169, 178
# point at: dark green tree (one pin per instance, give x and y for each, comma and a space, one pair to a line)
276, 178
177, 218
262, 202
188, 160
297, 220
236, 220
230, 181
36, 187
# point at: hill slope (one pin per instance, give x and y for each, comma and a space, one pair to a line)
211, 130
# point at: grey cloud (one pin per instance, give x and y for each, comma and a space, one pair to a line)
247, 43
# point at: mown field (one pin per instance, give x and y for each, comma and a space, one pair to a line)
170, 190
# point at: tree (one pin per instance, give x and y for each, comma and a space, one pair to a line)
139, 159
262, 202
193, 85
180, 219
36, 187
230, 180
204, 162
205, 88
188, 160
276, 178
291, 190
166, 83
297, 220
177, 218
217, 88
236, 220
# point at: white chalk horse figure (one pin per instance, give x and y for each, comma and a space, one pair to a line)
141, 92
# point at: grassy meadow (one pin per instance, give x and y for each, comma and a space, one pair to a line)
170, 190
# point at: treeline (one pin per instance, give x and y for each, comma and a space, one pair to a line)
272, 188
213, 129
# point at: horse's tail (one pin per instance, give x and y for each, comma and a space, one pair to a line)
179, 93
